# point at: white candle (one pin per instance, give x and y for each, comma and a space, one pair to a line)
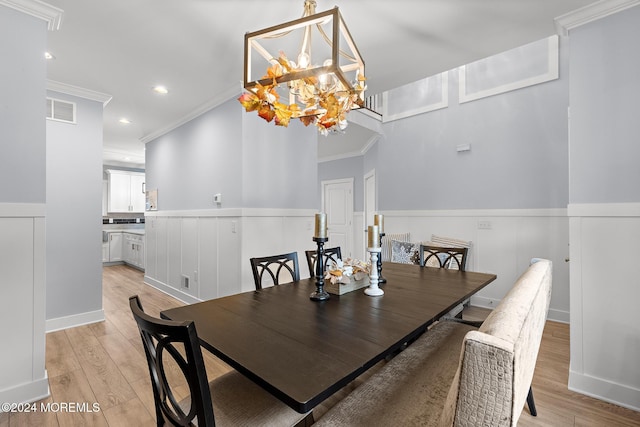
373, 236
321, 225
378, 219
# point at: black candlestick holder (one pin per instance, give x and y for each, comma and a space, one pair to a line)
380, 278
320, 294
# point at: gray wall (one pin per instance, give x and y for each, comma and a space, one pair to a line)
197, 160
74, 200
605, 125
280, 165
518, 156
253, 164
22, 107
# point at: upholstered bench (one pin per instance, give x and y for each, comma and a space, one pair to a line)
456, 374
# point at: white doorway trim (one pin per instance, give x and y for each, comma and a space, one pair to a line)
347, 226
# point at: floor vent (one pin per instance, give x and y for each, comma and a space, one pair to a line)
61, 111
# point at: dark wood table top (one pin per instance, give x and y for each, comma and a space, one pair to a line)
303, 351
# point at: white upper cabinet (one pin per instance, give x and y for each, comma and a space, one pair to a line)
126, 191
138, 197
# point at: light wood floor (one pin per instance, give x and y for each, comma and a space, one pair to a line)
104, 363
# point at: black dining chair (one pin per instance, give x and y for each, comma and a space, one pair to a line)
441, 257
173, 354
446, 257
278, 268
330, 255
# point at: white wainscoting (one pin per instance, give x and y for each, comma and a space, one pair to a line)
605, 290
23, 377
503, 243
211, 248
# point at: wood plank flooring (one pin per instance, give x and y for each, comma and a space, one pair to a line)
104, 363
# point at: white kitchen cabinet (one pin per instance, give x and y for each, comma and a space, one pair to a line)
115, 246
138, 196
134, 249
127, 248
126, 191
105, 252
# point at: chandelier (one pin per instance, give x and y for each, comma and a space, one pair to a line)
314, 71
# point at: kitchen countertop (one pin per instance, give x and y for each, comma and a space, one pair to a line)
139, 231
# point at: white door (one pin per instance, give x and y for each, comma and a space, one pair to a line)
337, 202
370, 202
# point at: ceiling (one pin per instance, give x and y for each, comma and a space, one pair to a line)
124, 48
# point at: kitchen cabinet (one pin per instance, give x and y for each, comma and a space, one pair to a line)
105, 252
126, 192
121, 246
115, 246
134, 249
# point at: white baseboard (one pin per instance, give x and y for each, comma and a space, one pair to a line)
26, 392
171, 291
74, 320
559, 316
611, 392
554, 315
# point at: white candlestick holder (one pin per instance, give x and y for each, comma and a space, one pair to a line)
373, 289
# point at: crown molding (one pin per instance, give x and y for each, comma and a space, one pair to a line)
591, 13
374, 138
211, 104
78, 91
50, 14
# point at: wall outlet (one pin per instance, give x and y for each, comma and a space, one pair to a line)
217, 198
484, 225
185, 281
234, 226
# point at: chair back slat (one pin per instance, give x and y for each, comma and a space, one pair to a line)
437, 256
275, 266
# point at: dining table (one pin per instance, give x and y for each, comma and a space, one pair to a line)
302, 351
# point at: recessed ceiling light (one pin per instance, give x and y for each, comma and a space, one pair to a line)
48, 55
161, 90
126, 159
125, 121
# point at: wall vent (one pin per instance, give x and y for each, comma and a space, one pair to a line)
61, 111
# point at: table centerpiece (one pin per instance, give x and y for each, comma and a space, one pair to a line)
346, 275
